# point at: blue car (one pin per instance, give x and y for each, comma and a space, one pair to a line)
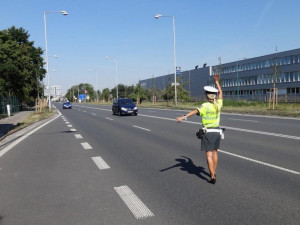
124, 106
67, 105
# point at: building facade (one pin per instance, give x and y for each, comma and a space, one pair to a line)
251, 79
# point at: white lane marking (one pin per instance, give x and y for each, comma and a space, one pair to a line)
254, 121
70, 125
9, 147
141, 128
73, 130
93, 114
135, 205
231, 128
108, 118
102, 165
67, 122
86, 146
260, 162
84, 111
78, 136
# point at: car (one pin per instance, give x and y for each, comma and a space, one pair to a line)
124, 106
67, 105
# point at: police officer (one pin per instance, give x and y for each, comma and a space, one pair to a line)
210, 113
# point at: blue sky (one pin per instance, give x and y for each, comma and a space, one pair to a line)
143, 45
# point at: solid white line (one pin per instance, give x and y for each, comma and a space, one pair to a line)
78, 136
135, 205
108, 118
73, 130
9, 147
254, 121
260, 162
232, 128
70, 125
86, 146
102, 165
141, 128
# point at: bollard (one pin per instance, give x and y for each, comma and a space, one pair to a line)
8, 110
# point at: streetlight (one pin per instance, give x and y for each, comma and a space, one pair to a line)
115, 58
96, 84
47, 64
174, 52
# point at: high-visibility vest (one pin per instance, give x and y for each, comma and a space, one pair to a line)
210, 115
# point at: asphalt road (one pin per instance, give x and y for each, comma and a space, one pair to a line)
148, 169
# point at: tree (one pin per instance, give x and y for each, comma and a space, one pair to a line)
182, 94
105, 94
139, 94
21, 65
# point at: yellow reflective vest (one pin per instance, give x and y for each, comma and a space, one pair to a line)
210, 114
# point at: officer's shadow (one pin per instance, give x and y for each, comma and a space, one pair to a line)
187, 165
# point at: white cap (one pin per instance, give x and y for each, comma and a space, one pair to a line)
210, 89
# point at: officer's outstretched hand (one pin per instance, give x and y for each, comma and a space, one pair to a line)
179, 119
216, 77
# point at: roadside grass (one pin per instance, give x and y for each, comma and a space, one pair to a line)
35, 117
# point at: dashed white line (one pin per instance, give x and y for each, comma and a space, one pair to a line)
260, 162
135, 205
67, 122
84, 111
70, 125
73, 130
108, 118
78, 136
93, 114
141, 128
86, 146
100, 163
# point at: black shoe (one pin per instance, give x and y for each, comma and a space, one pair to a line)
212, 181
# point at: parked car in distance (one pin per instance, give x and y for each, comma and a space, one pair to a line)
124, 106
67, 105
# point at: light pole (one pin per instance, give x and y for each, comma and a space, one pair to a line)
174, 52
115, 58
96, 84
47, 64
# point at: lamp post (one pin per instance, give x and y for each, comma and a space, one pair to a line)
115, 58
47, 64
96, 84
174, 53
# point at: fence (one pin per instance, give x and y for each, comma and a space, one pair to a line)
12, 101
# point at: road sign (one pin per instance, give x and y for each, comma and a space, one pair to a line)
81, 96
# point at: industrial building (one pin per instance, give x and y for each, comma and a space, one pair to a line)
251, 79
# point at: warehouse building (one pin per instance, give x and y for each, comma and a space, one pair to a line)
251, 79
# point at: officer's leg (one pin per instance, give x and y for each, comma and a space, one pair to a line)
210, 163
215, 160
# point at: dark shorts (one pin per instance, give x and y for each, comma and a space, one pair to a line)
210, 141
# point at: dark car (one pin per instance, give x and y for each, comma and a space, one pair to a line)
67, 105
124, 106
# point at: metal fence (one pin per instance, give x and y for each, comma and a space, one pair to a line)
12, 101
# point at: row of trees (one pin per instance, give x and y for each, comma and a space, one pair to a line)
21, 65
137, 93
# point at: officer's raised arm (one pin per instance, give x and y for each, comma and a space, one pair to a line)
216, 79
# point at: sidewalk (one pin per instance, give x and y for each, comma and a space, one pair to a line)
10, 122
